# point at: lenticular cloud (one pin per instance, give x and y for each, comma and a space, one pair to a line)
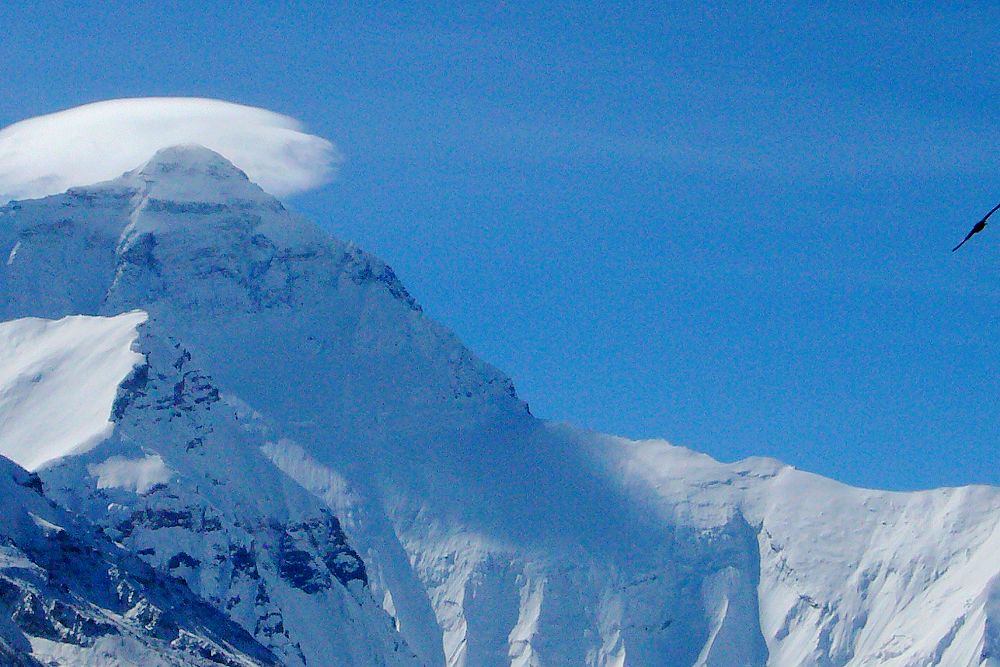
97, 142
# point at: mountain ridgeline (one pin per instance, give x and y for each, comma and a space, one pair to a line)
254, 430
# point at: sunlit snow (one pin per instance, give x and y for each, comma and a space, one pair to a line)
58, 381
136, 475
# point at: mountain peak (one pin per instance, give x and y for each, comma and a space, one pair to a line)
193, 173
191, 159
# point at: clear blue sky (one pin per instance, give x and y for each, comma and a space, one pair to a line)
729, 227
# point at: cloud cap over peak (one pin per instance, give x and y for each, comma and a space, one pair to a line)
97, 142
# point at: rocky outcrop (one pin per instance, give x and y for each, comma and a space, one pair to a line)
67, 592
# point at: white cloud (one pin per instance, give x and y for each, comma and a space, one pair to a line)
97, 142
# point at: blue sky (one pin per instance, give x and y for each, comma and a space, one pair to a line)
730, 227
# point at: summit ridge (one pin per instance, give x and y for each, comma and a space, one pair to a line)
193, 173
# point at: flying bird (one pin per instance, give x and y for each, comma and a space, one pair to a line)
980, 226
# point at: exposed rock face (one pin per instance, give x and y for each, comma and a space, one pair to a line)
68, 595
297, 441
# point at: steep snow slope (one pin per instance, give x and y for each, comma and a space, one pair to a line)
68, 596
490, 537
46, 367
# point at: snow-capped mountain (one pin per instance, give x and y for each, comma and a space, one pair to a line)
266, 413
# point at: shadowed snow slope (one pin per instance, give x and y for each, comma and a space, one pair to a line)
299, 441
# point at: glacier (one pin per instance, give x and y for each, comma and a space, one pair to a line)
265, 414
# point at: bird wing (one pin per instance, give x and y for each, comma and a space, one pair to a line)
992, 211
967, 237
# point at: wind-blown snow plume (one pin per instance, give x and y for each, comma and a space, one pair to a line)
96, 142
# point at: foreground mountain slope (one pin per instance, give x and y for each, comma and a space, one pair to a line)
489, 537
68, 596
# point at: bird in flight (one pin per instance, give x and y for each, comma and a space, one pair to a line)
980, 226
